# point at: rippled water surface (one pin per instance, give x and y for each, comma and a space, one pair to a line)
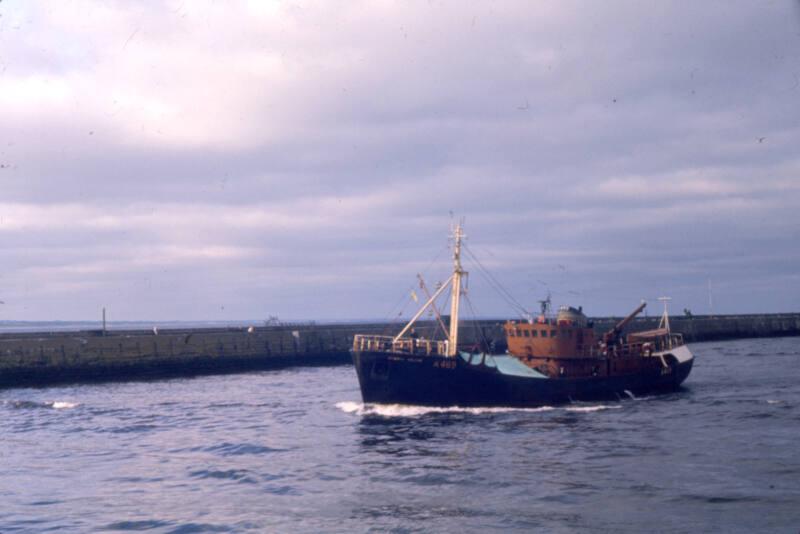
297, 451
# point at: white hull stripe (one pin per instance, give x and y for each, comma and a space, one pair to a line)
682, 353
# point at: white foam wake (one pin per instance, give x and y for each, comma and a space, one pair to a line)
30, 404
403, 410
592, 408
60, 405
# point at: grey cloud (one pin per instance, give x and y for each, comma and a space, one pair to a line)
315, 153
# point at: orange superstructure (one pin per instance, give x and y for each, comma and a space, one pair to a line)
566, 346
567, 336
561, 346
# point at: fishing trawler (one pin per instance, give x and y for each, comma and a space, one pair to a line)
549, 360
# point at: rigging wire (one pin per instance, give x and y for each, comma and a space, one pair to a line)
436, 258
496, 285
400, 301
434, 308
393, 319
405, 299
446, 334
478, 331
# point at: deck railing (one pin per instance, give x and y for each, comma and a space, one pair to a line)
637, 348
406, 345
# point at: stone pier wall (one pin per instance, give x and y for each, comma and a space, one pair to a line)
46, 358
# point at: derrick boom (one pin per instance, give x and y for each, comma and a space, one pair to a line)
612, 334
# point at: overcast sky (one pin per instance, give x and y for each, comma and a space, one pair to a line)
234, 160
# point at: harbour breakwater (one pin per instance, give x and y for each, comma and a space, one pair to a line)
41, 358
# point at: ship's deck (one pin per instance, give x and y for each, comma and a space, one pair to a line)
507, 365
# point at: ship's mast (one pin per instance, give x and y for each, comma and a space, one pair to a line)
664, 323
455, 283
458, 273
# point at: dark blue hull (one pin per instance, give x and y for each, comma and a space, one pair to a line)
395, 378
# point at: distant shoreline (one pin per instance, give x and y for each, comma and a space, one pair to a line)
13, 326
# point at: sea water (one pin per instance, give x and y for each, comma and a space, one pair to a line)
297, 451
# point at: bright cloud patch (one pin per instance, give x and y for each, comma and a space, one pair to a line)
200, 160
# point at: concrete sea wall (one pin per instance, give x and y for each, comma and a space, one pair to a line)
718, 327
33, 359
